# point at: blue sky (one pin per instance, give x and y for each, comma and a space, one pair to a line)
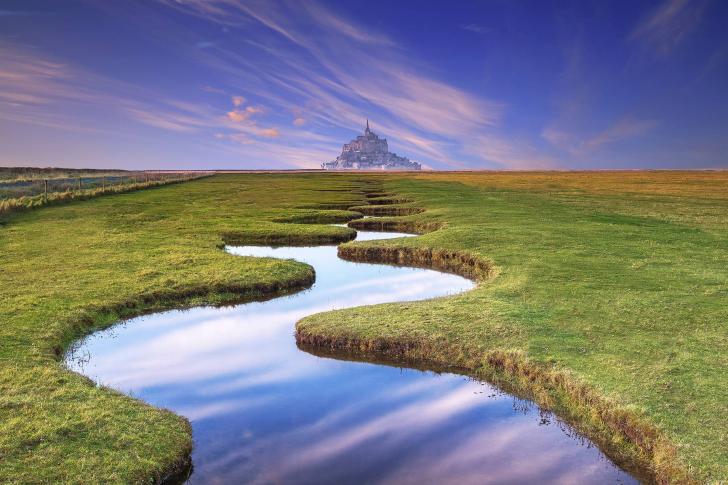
454, 85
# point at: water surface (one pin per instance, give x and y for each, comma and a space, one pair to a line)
263, 411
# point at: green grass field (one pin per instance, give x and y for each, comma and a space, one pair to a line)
606, 299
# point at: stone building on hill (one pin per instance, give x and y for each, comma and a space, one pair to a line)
369, 152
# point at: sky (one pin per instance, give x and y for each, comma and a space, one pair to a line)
236, 84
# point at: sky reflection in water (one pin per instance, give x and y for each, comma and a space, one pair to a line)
263, 411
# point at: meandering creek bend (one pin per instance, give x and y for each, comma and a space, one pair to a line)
263, 411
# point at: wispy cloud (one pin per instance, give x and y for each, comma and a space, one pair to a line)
668, 25
574, 130
317, 73
475, 28
305, 60
36, 90
317, 70
579, 144
212, 89
23, 13
27, 78
172, 121
623, 129
338, 73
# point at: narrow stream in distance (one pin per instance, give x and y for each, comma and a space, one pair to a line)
263, 411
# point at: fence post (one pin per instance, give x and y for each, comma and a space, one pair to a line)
103, 184
45, 191
79, 184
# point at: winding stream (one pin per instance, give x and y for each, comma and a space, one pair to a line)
263, 411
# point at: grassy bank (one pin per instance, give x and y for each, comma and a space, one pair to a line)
18, 204
69, 269
605, 294
610, 302
30, 173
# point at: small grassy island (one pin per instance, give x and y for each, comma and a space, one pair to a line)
601, 295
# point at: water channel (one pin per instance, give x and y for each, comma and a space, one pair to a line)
263, 411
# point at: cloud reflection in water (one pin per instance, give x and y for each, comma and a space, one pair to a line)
263, 411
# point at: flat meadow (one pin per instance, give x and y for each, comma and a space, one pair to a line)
601, 295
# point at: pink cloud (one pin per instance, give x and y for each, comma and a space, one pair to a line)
238, 116
269, 132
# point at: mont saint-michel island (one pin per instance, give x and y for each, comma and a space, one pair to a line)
369, 152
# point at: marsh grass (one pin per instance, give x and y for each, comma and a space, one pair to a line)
387, 210
609, 302
17, 204
73, 268
602, 294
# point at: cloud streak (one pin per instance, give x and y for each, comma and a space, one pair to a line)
283, 84
578, 145
317, 74
338, 73
668, 25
